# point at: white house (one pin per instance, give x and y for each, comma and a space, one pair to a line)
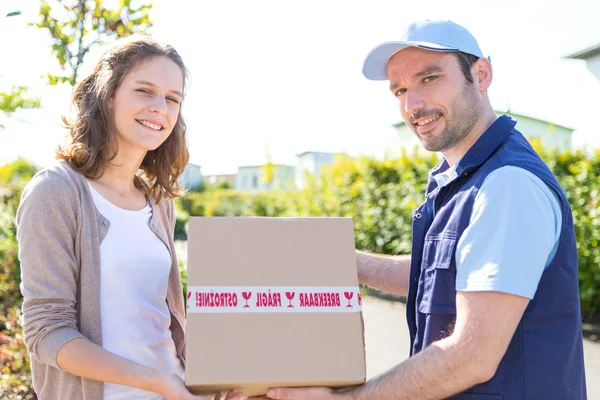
254, 178
591, 56
191, 177
219, 179
311, 162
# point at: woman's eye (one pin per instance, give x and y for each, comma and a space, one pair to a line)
143, 91
174, 100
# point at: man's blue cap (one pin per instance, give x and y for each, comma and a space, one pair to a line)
435, 35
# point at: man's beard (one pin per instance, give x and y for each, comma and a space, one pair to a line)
466, 112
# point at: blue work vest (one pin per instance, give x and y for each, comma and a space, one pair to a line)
545, 357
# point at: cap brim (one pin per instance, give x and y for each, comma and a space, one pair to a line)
375, 64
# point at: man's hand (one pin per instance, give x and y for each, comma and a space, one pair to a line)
315, 393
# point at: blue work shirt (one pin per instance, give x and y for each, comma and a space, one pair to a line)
544, 359
492, 251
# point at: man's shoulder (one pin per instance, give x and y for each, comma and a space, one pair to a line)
505, 173
521, 181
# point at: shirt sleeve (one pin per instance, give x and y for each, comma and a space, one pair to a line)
512, 236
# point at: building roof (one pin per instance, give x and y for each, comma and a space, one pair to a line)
320, 152
311, 152
219, 175
509, 113
260, 166
586, 54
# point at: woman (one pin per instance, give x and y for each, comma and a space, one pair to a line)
103, 306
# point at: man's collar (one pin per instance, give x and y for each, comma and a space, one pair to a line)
478, 153
486, 145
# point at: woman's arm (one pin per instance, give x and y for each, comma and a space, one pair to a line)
47, 229
86, 359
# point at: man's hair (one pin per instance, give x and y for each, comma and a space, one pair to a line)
91, 142
466, 62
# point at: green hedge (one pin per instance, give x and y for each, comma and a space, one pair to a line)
579, 176
15, 377
381, 196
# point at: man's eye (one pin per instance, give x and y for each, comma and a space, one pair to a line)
430, 79
399, 92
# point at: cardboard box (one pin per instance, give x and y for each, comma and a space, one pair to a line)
272, 302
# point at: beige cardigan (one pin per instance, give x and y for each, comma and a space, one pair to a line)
59, 232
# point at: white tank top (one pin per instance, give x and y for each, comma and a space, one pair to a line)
135, 266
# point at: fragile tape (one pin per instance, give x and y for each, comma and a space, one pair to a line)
273, 299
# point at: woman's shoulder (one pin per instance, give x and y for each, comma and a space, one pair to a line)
166, 206
165, 203
56, 180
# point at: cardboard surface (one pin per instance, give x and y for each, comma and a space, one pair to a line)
252, 351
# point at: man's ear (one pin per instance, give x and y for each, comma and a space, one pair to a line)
483, 74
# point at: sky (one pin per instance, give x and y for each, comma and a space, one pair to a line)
272, 79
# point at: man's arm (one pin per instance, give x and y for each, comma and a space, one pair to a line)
500, 261
387, 273
485, 325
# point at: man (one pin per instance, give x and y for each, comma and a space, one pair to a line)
492, 283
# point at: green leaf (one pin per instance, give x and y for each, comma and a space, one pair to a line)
68, 23
16, 99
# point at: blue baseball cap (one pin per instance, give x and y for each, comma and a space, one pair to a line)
435, 35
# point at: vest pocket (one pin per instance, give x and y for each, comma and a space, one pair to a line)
438, 277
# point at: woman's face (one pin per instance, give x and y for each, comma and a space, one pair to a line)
146, 105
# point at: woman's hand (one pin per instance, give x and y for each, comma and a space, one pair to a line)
172, 387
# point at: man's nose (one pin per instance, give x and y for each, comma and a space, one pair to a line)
413, 102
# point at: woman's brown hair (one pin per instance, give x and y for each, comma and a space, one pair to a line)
91, 143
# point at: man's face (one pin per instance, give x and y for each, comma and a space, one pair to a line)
436, 101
